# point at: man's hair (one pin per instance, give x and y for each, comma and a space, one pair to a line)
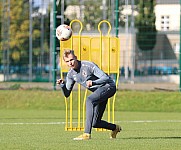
68, 52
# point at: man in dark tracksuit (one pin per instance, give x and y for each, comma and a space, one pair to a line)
94, 79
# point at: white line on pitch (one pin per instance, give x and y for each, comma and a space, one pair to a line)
57, 123
145, 121
31, 123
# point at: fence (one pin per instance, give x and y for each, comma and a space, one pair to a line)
15, 65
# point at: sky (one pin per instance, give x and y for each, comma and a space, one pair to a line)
39, 2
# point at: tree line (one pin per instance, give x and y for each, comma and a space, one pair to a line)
19, 27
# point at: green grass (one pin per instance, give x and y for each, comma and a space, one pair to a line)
34, 119
34, 131
125, 100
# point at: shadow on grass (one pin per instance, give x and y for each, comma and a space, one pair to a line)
138, 138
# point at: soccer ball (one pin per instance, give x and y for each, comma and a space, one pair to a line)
63, 32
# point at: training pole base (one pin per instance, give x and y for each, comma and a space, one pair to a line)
74, 129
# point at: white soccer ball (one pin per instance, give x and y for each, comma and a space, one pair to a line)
63, 32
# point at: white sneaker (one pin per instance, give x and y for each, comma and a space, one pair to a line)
84, 136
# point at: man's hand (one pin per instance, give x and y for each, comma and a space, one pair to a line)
59, 81
89, 83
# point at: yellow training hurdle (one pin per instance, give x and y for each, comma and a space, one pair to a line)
105, 52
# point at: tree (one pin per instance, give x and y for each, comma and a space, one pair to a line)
0, 23
0, 32
92, 14
145, 22
19, 32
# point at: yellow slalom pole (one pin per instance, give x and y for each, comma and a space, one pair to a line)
66, 107
65, 99
84, 102
79, 57
83, 122
71, 125
108, 71
109, 107
117, 80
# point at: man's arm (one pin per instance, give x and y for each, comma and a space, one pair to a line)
66, 86
102, 76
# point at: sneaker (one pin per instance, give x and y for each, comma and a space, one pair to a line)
114, 133
84, 136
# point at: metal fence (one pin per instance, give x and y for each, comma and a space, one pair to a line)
29, 56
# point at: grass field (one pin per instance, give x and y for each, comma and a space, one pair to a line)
34, 119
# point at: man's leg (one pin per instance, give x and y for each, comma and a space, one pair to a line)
97, 120
99, 123
95, 107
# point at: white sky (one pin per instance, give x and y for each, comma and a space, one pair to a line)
39, 2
